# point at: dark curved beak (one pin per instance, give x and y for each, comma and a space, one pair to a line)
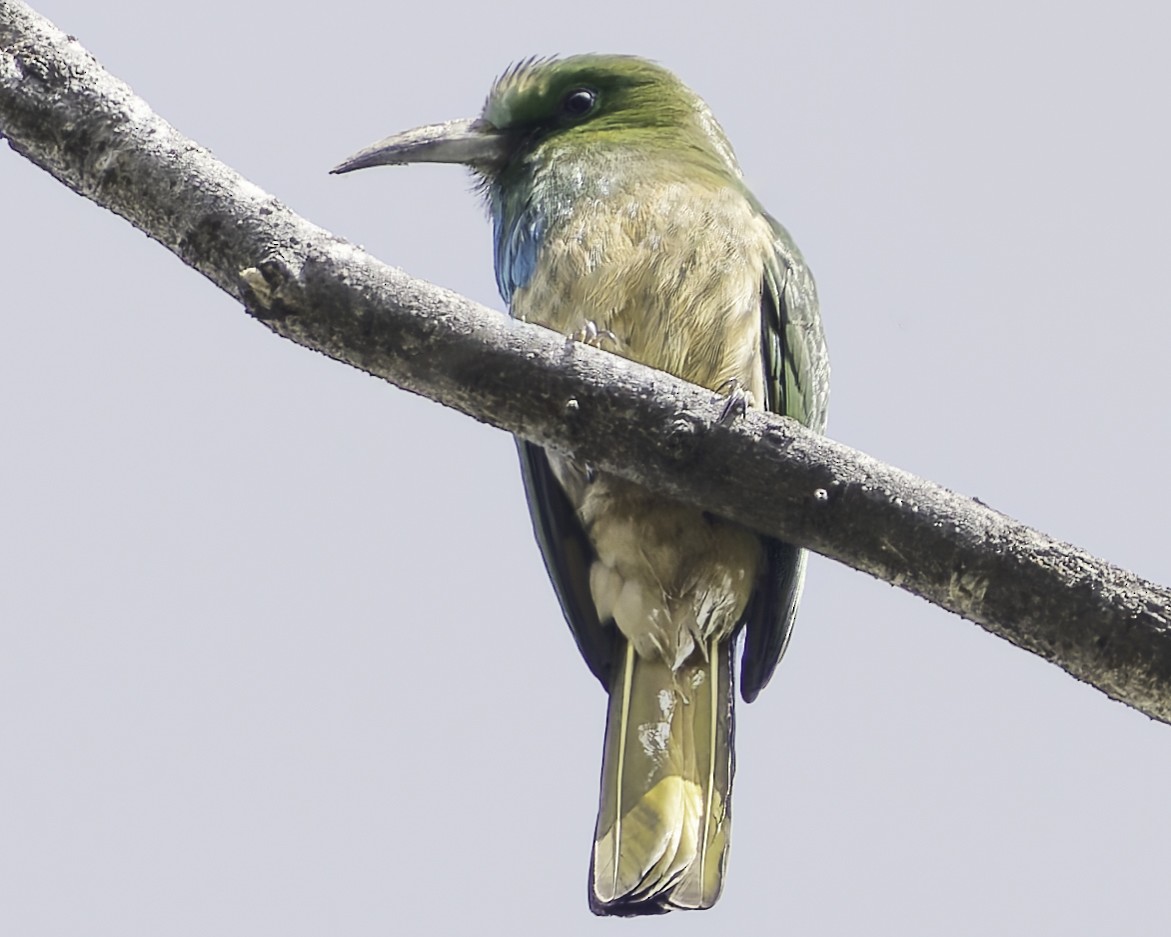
474, 143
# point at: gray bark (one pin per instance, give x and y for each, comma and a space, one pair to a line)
62, 111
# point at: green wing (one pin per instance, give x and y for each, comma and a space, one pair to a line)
796, 369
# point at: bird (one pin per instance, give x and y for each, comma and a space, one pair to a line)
621, 218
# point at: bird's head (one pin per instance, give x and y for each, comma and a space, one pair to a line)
557, 105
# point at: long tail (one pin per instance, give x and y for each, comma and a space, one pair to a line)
664, 821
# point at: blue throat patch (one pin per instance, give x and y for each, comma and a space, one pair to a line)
517, 242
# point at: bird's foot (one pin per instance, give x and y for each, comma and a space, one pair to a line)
590, 334
739, 399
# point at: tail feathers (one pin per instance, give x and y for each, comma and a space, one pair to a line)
664, 819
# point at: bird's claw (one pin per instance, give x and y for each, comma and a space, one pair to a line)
590, 334
739, 399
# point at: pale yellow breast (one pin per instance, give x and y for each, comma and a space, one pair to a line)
674, 272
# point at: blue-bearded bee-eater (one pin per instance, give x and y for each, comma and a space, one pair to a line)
620, 215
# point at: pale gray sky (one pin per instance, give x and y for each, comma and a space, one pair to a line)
277, 652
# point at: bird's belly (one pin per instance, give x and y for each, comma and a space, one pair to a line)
677, 283
669, 575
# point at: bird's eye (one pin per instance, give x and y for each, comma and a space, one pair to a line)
579, 102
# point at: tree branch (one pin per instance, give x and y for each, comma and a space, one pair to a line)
62, 111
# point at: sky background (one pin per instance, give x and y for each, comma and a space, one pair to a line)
277, 651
